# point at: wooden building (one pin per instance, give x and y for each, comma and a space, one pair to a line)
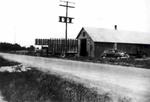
93, 41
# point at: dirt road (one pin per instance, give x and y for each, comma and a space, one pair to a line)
132, 84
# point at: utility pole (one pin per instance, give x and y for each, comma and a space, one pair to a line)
14, 34
115, 45
66, 20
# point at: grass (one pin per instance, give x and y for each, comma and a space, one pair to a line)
4, 62
36, 86
128, 62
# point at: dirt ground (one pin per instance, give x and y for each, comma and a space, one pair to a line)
130, 83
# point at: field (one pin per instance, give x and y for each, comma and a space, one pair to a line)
83, 81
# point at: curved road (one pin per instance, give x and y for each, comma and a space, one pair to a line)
132, 84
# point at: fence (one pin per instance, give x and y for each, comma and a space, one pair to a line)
59, 46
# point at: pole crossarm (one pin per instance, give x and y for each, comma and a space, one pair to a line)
67, 6
67, 1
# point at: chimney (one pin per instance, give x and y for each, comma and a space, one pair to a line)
115, 27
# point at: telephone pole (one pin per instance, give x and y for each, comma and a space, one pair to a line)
115, 44
66, 20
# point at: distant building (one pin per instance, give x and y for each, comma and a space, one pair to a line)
93, 41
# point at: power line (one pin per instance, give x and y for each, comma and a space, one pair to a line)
67, 1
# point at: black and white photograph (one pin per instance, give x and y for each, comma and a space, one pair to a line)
74, 51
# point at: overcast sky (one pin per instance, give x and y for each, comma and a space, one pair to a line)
22, 21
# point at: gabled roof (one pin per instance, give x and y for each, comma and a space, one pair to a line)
108, 35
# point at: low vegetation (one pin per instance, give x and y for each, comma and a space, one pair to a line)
14, 48
131, 62
4, 62
10, 47
36, 86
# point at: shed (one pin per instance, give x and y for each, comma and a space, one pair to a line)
93, 41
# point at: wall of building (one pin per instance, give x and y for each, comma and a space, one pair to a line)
145, 49
100, 47
135, 49
89, 43
129, 48
132, 49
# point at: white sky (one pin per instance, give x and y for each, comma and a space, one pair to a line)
22, 21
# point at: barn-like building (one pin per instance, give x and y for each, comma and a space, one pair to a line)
93, 41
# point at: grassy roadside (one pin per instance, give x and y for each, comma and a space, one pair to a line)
4, 62
36, 86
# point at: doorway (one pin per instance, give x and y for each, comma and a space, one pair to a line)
83, 47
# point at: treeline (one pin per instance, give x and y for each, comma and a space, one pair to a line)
12, 47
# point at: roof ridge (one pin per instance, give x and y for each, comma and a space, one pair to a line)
122, 30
